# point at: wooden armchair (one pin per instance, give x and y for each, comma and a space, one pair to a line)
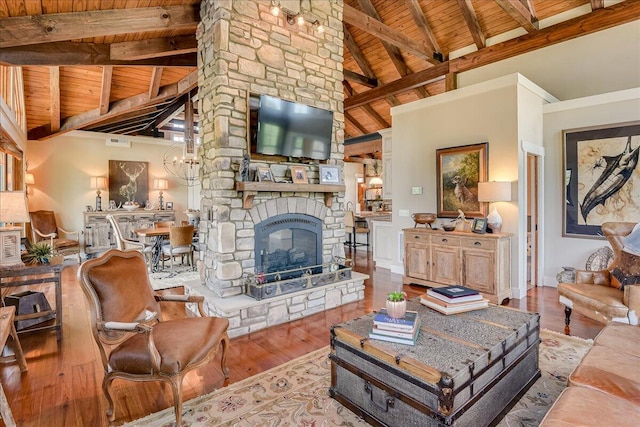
44, 227
602, 295
135, 343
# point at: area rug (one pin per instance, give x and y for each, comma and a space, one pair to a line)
181, 275
297, 393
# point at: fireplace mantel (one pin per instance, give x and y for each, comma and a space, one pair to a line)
251, 189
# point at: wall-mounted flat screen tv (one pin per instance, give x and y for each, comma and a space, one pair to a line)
290, 129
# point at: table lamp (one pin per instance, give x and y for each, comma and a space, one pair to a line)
160, 184
494, 192
13, 209
98, 183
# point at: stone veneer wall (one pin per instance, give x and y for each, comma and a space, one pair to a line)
244, 49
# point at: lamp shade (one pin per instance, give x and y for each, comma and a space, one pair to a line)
376, 180
29, 179
98, 183
494, 191
160, 184
13, 207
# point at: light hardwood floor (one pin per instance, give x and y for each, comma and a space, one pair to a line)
63, 384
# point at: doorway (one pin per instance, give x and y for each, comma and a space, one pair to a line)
532, 221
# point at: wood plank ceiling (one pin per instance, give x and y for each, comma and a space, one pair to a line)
84, 67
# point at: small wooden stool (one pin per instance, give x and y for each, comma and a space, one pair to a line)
7, 328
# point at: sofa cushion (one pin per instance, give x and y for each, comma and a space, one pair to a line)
620, 337
579, 406
609, 371
603, 299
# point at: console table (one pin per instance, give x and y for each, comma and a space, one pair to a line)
98, 236
39, 274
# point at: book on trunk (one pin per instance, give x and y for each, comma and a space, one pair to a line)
408, 341
455, 293
453, 308
395, 333
406, 323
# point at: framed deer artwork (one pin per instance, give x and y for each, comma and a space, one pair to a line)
128, 181
458, 171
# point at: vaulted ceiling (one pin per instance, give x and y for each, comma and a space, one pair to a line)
128, 66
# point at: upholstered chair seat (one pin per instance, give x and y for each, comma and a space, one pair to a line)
134, 340
610, 295
45, 228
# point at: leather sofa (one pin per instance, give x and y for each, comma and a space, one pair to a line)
604, 389
610, 295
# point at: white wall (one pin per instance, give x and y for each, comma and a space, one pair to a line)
606, 61
62, 166
619, 107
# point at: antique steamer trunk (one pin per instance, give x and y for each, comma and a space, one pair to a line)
465, 369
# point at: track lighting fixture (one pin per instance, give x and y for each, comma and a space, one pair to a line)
275, 8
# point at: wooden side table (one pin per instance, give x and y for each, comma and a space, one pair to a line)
7, 315
30, 275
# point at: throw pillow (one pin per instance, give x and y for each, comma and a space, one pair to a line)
631, 242
627, 270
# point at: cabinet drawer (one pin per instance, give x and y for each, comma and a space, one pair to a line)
478, 243
446, 240
416, 237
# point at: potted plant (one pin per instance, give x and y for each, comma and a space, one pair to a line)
39, 253
396, 304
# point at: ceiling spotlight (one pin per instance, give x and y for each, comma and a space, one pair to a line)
300, 20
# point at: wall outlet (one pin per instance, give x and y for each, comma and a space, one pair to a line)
403, 212
416, 190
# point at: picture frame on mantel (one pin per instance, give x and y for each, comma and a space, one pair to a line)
330, 174
299, 175
458, 172
601, 178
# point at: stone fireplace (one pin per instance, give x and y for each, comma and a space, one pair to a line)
243, 50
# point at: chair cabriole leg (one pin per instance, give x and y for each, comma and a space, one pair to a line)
567, 320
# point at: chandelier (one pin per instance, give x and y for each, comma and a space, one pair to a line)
181, 161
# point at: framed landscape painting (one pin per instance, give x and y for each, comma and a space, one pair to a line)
601, 178
458, 170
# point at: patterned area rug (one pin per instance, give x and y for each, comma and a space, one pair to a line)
181, 275
296, 394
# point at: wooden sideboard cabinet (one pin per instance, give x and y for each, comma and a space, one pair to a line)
98, 236
440, 258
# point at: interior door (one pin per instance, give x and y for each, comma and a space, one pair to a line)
532, 221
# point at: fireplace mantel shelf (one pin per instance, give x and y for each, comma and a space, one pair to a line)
251, 189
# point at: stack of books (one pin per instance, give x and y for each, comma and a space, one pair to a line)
453, 299
402, 331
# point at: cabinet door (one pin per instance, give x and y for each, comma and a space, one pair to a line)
478, 269
416, 260
445, 264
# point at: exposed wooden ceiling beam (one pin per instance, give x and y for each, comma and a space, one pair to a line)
34, 29
154, 84
176, 107
360, 148
362, 62
355, 123
469, 15
73, 53
359, 78
133, 115
597, 4
54, 97
404, 84
394, 53
153, 48
519, 13
601, 19
423, 26
105, 88
382, 31
118, 107
357, 53
368, 109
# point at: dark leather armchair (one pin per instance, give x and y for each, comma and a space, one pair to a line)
134, 342
597, 294
44, 227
